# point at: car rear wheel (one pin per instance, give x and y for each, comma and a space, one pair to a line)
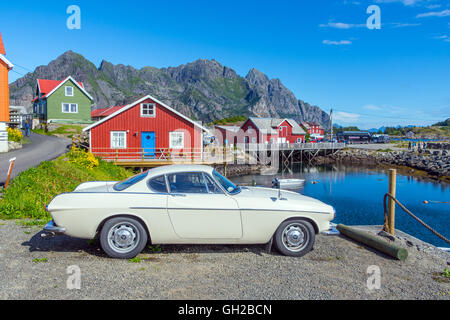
295, 238
123, 237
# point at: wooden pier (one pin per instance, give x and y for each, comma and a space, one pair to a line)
282, 156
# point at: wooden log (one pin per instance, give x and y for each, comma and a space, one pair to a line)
374, 242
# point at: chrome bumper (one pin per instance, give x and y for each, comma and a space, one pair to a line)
332, 231
51, 227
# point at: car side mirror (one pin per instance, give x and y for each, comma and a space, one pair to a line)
276, 183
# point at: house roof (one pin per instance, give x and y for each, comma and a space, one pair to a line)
9, 65
230, 128
47, 87
2, 47
105, 112
264, 124
267, 125
131, 105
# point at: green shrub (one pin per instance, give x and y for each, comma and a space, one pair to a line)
14, 135
29, 193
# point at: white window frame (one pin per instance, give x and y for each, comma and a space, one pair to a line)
68, 95
249, 130
171, 145
70, 107
148, 115
113, 146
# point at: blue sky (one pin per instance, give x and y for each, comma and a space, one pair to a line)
321, 50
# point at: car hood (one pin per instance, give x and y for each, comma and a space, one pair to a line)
96, 186
266, 198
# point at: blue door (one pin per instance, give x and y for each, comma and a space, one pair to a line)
148, 144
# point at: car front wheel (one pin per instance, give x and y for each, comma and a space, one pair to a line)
295, 238
123, 237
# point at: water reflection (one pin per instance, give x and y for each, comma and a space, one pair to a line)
357, 194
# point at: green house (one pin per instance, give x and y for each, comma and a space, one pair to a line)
64, 101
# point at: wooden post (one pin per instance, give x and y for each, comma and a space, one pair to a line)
392, 191
11, 166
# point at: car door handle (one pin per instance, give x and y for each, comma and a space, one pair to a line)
178, 195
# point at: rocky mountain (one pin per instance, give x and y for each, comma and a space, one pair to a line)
203, 90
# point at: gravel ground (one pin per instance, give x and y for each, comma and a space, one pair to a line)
335, 269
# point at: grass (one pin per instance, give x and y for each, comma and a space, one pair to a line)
42, 260
33, 189
67, 130
135, 260
31, 223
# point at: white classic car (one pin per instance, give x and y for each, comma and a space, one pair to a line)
187, 204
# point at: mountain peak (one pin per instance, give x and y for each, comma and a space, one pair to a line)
257, 78
203, 89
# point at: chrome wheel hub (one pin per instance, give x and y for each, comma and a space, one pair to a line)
123, 237
295, 237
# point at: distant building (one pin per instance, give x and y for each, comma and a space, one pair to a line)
18, 115
226, 135
271, 130
352, 137
316, 131
410, 134
64, 101
99, 114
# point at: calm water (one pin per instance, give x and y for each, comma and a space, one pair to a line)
357, 194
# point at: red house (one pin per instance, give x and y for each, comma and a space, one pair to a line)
315, 130
227, 135
271, 130
146, 129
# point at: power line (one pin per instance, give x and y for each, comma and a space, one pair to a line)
18, 73
18, 65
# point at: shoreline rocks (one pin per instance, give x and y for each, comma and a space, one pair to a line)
436, 163
235, 170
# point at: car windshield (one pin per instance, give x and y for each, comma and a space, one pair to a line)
226, 184
120, 186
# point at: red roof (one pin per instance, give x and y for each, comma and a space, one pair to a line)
105, 112
2, 47
47, 86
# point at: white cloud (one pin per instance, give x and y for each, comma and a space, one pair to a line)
405, 2
372, 107
341, 25
443, 13
345, 117
444, 37
402, 25
337, 43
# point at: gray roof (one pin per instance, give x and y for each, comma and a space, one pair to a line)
230, 128
267, 125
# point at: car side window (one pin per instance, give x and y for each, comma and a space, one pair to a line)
158, 184
212, 187
187, 182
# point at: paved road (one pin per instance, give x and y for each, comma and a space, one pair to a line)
376, 146
42, 148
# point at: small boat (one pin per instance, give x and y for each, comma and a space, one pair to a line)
291, 183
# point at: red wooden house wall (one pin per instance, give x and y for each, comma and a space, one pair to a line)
164, 122
287, 133
255, 136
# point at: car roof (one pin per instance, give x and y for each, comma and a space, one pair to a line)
179, 168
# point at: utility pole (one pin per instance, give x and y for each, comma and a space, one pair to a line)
331, 130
